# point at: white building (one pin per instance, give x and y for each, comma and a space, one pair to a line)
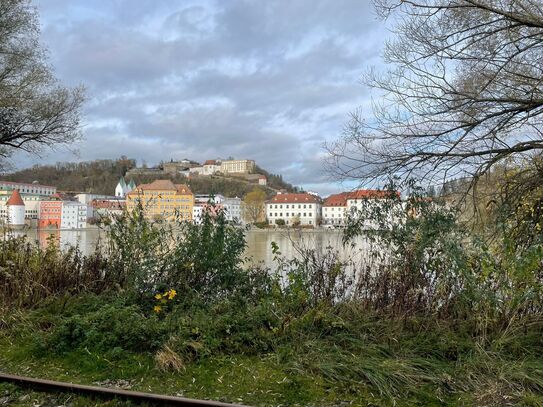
232, 209
88, 200
230, 206
74, 215
124, 188
237, 166
197, 212
334, 210
24, 188
303, 209
15, 210
197, 170
337, 208
210, 167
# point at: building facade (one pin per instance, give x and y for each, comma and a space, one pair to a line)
24, 188
74, 215
211, 167
237, 166
334, 210
232, 209
337, 208
50, 214
294, 209
162, 199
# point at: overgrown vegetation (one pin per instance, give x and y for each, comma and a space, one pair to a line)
425, 314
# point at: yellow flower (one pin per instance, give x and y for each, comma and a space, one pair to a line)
171, 294
158, 296
157, 308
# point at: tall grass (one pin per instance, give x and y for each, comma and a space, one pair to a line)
29, 275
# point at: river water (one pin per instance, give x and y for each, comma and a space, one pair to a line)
258, 242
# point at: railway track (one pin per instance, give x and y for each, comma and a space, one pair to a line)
109, 393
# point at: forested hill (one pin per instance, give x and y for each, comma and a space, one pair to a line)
101, 177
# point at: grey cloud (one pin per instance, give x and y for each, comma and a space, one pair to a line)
169, 79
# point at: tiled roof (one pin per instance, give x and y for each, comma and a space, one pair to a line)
341, 198
336, 200
295, 198
210, 162
108, 204
15, 199
158, 185
162, 185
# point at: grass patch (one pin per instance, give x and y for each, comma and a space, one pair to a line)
324, 357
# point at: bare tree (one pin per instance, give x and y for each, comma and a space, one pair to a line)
465, 91
35, 110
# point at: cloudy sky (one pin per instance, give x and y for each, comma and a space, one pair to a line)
267, 80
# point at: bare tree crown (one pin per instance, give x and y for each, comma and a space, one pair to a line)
35, 110
464, 92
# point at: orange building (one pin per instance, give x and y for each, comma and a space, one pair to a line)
50, 214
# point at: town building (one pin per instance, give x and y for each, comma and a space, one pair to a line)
294, 209
334, 209
262, 180
200, 209
232, 209
50, 214
338, 207
230, 206
74, 215
211, 167
108, 208
237, 166
368, 200
24, 188
88, 199
124, 188
31, 202
59, 214
162, 199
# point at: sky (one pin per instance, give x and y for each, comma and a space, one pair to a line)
167, 79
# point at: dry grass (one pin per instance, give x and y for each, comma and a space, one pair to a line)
168, 360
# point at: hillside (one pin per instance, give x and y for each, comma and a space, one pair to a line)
101, 177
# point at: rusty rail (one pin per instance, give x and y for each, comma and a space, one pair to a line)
109, 393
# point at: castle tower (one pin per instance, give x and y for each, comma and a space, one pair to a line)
16, 209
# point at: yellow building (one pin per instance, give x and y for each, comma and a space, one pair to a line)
162, 199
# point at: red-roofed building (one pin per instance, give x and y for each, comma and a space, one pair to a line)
336, 207
294, 209
210, 167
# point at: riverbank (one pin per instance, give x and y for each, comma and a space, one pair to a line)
325, 357
425, 317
